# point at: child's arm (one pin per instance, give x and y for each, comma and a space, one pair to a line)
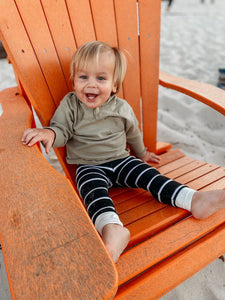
150, 156
32, 136
135, 138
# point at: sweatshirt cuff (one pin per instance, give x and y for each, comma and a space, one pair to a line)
58, 139
141, 153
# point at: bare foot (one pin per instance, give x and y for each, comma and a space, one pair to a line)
115, 238
206, 203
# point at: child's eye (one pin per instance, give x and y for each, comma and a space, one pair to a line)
83, 76
101, 78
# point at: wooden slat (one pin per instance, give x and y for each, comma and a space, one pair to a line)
177, 164
206, 93
24, 60
126, 13
182, 170
129, 200
152, 251
149, 22
105, 24
121, 198
208, 179
117, 191
38, 32
168, 157
162, 147
184, 264
104, 21
153, 223
44, 227
140, 211
69, 170
216, 185
82, 22
62, 34
197, 173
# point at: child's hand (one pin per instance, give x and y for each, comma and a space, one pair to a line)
150, 156
34, 135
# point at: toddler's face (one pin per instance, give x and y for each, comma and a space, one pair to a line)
94, 84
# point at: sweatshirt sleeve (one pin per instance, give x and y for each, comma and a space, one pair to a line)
134, 136
63, 120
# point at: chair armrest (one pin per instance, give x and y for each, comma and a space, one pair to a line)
206, 93
50, 247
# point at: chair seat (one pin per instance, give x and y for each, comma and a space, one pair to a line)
143, 215
154, 225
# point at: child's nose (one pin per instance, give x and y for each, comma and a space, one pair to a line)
92, 82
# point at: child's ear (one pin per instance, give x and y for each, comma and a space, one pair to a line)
114, 89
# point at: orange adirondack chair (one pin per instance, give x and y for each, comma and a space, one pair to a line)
50, 247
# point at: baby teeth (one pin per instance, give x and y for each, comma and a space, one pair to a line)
91, 96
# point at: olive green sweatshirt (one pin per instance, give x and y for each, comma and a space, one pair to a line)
96, 136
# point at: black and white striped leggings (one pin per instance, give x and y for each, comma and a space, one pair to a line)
93, 183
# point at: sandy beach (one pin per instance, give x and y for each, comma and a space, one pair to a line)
193, 47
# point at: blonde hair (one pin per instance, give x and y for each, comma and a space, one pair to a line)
92, 50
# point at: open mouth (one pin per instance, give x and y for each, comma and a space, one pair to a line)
91, 97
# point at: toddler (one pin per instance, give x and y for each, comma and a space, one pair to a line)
96, 126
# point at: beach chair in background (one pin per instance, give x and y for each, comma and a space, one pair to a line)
221, 79
51, 249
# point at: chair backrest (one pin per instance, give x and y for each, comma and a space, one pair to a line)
40, 37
